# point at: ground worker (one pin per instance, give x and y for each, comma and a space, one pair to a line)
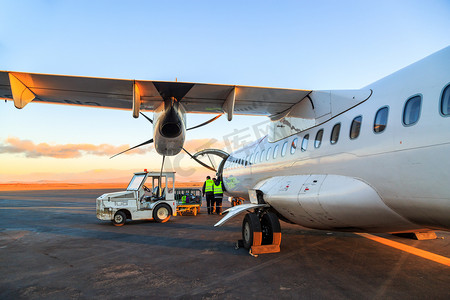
208, 190
218, 195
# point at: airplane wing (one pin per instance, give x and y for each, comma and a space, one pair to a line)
137, 95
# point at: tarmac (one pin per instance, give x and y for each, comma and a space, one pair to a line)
52, 246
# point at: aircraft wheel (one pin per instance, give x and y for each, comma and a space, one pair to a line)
251, 231
161, 213
119, 218
270, 226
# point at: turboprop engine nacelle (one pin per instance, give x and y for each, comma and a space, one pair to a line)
169, 128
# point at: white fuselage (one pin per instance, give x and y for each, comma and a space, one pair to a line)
394, 180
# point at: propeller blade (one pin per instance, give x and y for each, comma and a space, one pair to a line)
150, 120
205, 123
200, 162
144, 143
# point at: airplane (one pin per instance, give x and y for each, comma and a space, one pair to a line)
368, 160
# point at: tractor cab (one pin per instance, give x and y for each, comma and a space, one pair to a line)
149, 195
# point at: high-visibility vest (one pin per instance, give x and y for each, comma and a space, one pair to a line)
218, 188
209, 185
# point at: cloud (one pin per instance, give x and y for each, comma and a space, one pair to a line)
32, 150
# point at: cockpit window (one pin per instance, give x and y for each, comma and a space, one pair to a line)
262, 156
411, 112
445, 101
318, 140
381, 118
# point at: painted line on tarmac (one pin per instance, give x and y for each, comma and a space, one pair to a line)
422, 253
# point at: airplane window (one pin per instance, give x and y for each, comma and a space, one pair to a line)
256, 157
318, 140
262, 156
275, 151
294, 145
379, 125
246, 161
305, 142
268, 154
445, 101
335, 133
355, 128
283, 149
411, 112
250, 159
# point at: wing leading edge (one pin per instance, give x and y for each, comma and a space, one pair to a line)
138, 95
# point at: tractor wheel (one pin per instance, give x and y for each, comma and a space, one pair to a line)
119, 218
162, 213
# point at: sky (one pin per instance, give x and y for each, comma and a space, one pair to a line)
320, 45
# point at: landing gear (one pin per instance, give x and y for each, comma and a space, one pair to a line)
251, 231
261, 233
270, 228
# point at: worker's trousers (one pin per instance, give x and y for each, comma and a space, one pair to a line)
209, 202
218, 203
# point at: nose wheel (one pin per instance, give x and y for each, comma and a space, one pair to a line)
261, 233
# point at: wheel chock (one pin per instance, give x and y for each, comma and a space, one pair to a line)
272, 248
431, 235
421, 236
255, 250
